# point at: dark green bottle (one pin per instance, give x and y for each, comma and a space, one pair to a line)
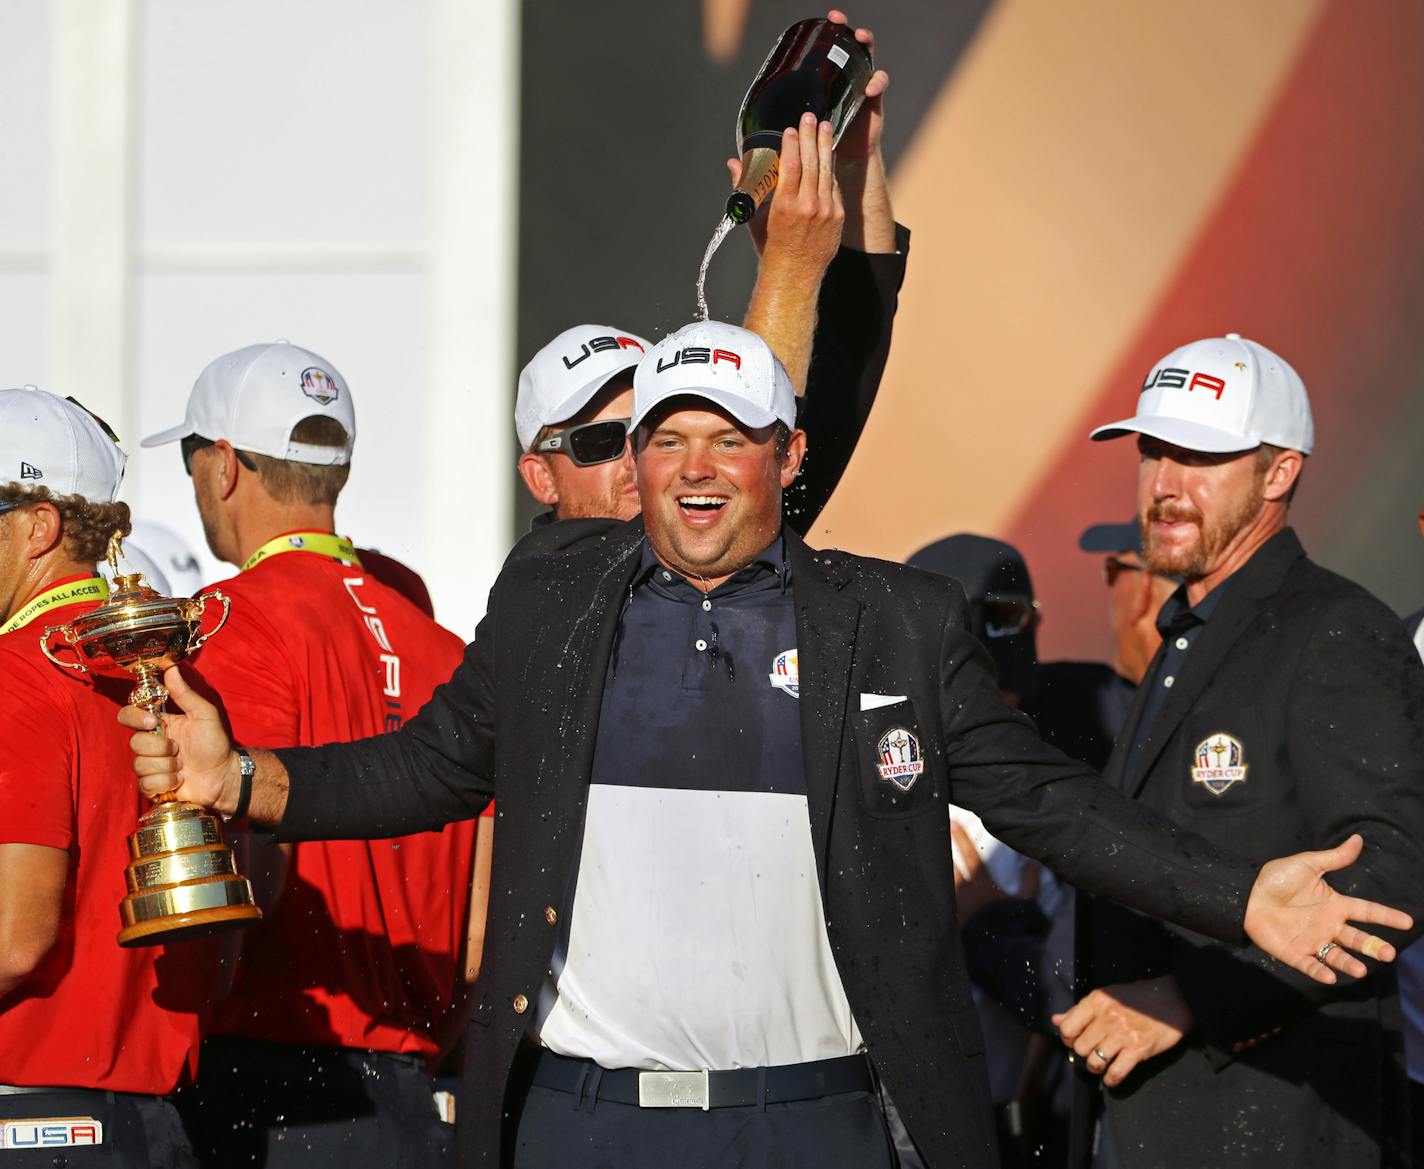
815, 65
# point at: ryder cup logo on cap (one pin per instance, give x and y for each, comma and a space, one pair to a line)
255, 397
731, 367
1221, 395
563, 377
55, 443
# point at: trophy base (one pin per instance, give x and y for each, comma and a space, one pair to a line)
183, 880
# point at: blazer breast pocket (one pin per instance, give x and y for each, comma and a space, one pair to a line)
899, 774
1223, 763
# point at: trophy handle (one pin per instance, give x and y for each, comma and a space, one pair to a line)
68, 644
202, 607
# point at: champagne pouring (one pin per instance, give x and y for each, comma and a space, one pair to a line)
816, 66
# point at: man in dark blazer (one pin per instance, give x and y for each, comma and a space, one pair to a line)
585, 691
1284, 709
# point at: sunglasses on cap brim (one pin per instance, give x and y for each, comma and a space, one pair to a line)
1005, 614
589, 443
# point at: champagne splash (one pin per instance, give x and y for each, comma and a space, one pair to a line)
716, 242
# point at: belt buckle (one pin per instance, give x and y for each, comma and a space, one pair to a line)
674, 1090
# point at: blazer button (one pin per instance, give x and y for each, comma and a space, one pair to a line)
521, 1004
551, 915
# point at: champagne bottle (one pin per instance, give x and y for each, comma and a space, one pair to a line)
815, 65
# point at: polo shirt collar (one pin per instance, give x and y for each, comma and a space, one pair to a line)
771, 562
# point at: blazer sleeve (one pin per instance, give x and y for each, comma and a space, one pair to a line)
437, 768
1355, 738
855, 316
1053, 809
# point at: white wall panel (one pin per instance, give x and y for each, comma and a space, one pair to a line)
271, 121
24, 128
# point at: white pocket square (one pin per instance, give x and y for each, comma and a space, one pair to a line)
875, 701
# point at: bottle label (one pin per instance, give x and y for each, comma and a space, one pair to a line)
837, 56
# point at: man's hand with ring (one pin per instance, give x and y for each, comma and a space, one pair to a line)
1295, 916
1115, 1028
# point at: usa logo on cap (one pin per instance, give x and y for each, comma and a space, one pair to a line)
319, 385
900, 761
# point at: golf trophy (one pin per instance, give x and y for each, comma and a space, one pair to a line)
182, 878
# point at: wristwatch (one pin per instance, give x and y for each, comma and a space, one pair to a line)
246, 770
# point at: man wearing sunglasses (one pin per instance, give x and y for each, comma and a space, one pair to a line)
346, 993
826, 313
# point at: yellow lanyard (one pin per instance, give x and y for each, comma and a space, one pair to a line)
322, 543
93, 588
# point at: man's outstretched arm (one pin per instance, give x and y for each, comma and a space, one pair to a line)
1046, 806
436, 769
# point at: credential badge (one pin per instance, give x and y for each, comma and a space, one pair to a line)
1218, 762
900, 761
319, 385
786, 674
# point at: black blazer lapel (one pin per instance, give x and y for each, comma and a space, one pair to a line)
1246, 593
827, 620
577, 675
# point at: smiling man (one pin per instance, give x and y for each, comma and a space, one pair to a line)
722, 927
1281, 711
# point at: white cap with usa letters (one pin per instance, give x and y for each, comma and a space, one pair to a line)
254, 398
55, 443
564, 376
1221, 395
727, 365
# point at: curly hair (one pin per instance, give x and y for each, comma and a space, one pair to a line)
86, 526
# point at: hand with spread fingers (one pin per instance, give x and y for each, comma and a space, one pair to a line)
1115, 1028
1296, 917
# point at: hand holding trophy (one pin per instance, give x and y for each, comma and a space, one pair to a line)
182, 879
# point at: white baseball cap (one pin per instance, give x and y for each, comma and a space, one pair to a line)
729, 366
55, 443
563, 377
1221, 395
254, 398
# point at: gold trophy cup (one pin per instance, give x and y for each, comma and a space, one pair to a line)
182, 878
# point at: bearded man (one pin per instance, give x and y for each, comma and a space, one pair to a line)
1281, 711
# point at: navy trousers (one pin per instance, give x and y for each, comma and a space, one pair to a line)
560, 1131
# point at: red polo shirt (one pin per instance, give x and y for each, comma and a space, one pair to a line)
365, 945
92, 1015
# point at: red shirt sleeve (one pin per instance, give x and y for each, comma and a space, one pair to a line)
37, 762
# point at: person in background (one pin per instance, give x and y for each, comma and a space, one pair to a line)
93, 1037
349, 991
1282, 708
1021, 964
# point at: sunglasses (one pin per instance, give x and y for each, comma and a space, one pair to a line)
1004, 614
589, 443
1114, 568
194, 443
4, 507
